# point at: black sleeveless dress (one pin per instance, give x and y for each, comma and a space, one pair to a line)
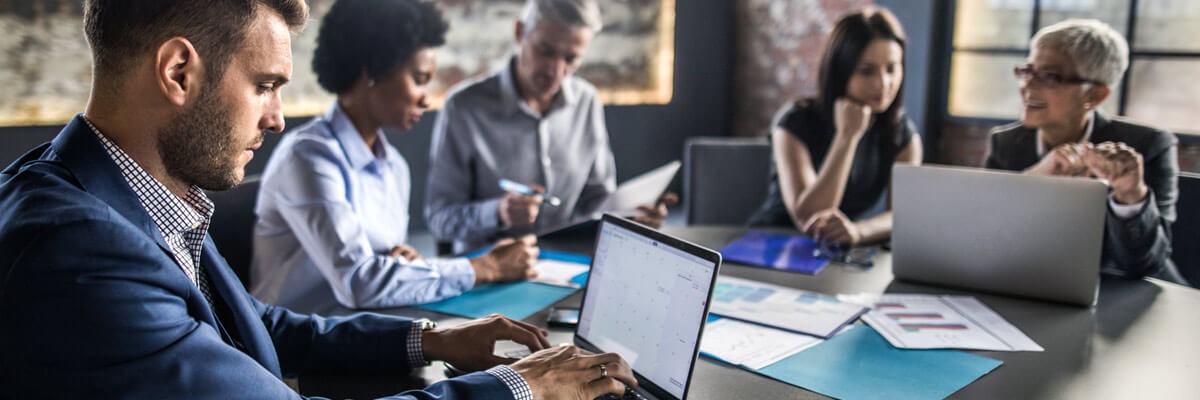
870, 172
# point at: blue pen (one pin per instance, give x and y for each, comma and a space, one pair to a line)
514, 187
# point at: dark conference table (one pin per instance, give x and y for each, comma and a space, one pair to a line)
1141, 341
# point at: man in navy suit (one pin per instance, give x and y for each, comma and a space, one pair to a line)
109, 283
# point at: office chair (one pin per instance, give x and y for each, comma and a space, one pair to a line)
1185, 233
725, 179
444, 248
232, 226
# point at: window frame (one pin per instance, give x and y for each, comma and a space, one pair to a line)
949, 49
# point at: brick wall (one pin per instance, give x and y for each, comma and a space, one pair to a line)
779, 50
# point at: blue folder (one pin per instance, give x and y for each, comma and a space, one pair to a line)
782, 252
860, 364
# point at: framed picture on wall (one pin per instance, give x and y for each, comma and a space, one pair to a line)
45, 63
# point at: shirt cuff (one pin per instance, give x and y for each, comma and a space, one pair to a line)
1125, 211
457, 273
520, 389
416, 356
488, 214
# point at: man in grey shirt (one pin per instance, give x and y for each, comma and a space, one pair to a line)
532, 122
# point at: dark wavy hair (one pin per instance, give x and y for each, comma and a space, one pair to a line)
850, 37
375, 36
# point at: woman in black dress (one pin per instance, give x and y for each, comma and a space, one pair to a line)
833, 154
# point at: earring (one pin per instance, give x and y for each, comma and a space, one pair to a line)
370, 83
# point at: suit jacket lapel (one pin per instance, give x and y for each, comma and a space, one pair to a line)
86, 158
1026, 147
1100, 130
83, 154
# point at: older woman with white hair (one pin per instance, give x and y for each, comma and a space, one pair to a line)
1072, 68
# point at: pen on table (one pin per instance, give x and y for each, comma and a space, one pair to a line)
514, 187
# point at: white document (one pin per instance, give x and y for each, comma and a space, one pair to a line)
919, 321
641, 190
791, 309
556, 272
749, 345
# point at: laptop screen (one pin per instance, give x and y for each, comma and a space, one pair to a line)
646, 301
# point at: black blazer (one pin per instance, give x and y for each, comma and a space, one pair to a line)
1134, 247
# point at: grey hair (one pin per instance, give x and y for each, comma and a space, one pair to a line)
1100, 52
569, 14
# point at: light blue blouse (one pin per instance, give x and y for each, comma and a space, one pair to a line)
329, 211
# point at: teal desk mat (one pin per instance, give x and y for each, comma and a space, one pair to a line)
564, 256
516, 300
543, 254
861, 364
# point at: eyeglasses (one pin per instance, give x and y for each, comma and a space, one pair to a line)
1048, 78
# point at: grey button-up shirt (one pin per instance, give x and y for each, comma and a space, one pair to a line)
485, 133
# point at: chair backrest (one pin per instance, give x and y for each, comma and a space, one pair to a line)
725, 179
232, 226
1185, 233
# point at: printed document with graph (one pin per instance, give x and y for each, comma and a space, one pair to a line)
921, 321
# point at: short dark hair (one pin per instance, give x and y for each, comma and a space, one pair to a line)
375, 36
119, 31
850, 37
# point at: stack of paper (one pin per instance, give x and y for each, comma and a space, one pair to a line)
561, 273
643, 189
786, 308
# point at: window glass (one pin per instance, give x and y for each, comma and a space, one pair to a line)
1115, 13
1168, 25
993, 23
1165, 93
982, 85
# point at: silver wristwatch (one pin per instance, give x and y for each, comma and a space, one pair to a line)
424, 324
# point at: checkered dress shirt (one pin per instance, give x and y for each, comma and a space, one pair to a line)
183, 223
513, 380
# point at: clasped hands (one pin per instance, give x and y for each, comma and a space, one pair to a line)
1113, 162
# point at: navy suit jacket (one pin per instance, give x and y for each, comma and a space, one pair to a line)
1136, 246
93, 305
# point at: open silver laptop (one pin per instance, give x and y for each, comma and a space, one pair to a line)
1001, 232
647, 299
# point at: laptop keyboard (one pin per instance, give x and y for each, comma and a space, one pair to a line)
629, 395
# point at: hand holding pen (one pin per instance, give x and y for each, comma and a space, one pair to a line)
521, 206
